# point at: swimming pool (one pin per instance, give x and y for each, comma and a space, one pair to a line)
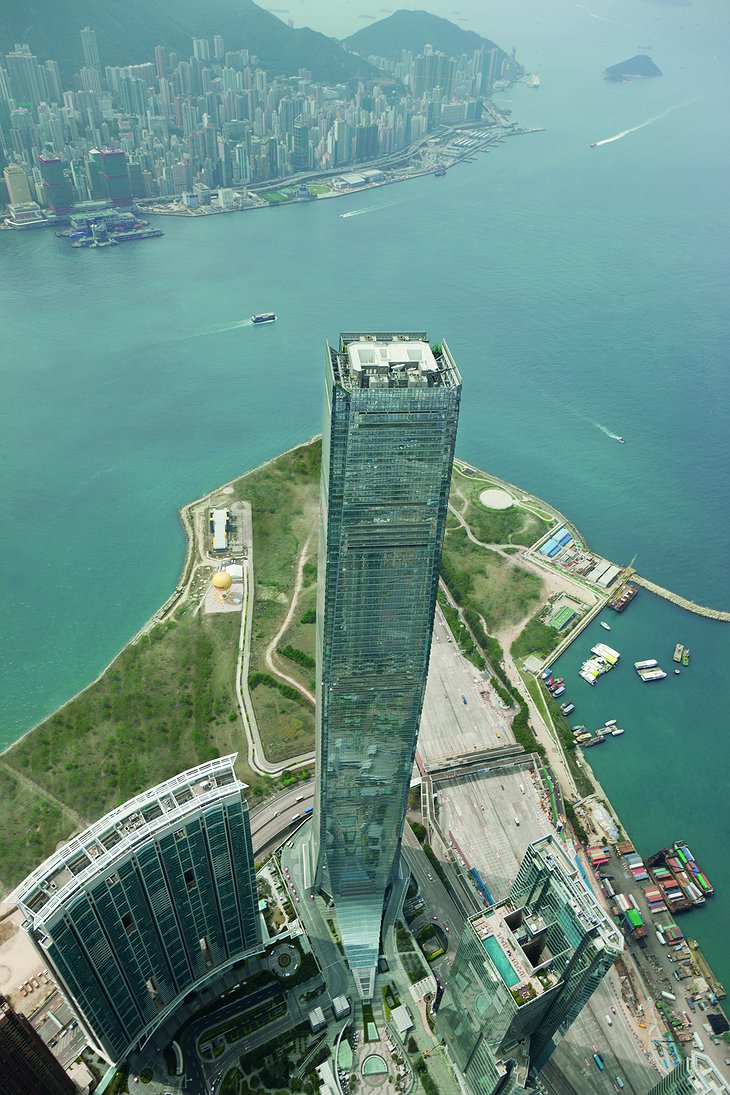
501, 961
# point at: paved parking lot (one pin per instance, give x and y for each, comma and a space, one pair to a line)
450, 726
479, 813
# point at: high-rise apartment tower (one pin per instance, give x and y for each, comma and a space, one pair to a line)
390, 418
154, 901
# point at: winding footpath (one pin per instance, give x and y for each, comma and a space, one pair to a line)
256, 756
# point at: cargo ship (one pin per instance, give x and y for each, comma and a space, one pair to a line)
264, 317
623, 596
678, 652
682, 881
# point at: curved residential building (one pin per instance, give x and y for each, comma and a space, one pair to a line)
390, 418
150, 903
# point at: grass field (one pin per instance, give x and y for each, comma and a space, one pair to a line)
503, 594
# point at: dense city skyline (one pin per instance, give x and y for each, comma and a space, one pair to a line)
219, 119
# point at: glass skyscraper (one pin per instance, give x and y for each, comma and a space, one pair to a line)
695, 1075
523, 971
154, 901
390, 418
27, 1066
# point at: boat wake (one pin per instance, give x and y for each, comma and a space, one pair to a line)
369, 209
608, 433
650, 121
209, 332
604, 18
579, 414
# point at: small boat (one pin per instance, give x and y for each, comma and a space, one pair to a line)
605, 626
678, 652
264, 317
677, 672
595, 144
617, 732
620, 440
685, 656
610, 722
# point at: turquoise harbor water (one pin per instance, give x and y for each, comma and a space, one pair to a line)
578, 288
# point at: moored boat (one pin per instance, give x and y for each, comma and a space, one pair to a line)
685, 656
605, 626
678, 652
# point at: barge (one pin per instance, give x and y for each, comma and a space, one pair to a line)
623, 596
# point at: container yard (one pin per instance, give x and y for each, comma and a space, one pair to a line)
682, 883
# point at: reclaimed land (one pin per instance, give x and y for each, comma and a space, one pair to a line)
169, 700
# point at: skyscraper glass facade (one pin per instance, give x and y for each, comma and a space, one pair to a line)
695, 1075
523, 970
391, 412
154, 900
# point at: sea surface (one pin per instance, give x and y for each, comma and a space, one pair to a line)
583, 291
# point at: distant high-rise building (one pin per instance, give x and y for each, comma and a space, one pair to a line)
151, 903
301, 154
201, 49
523, 971
390, 418
17, 183
161, 62
695, 1075
219, 49
56, 186
28, 79
109, 176
90, 49
27, 1066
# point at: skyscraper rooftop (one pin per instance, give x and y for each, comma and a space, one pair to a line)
386, 360
118, 832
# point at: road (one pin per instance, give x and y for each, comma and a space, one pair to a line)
448, 725
274, 820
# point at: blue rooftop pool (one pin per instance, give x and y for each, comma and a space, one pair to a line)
501, 961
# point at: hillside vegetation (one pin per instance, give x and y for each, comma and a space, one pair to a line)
412, 30
128, 33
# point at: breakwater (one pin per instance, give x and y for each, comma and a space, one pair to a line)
683, 602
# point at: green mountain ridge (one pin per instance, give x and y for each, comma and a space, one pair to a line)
127, 34
412, 30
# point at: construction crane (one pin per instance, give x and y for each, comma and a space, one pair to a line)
428, 1052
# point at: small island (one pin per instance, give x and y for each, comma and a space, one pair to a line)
638, 66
